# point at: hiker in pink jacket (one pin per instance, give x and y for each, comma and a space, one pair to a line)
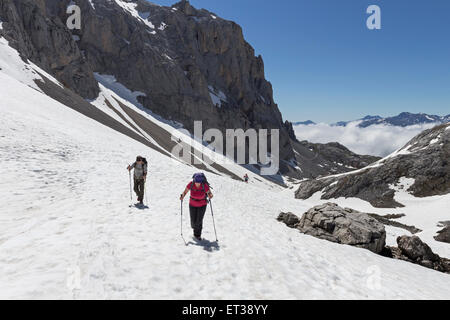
200, 192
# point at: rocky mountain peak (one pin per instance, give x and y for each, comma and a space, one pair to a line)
185, 7
188, 63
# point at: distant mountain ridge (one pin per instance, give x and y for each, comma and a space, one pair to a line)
404, 119
305, 123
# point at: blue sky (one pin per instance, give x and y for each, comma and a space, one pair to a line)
325, 65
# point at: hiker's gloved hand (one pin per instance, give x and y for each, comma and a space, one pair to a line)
181, 197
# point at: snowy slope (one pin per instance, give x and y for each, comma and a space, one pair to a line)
113, 92
66, 230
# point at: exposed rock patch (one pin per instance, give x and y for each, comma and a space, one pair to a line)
386, 220
443, 235
414, 250
317, 159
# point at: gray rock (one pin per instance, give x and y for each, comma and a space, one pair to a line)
346, 226
413, 249
443, 235
290, 219
444, 224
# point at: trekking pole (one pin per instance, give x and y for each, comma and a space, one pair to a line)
131, 193
145, 191
181, 224
212, 214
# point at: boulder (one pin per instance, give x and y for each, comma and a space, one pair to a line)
290, 219
413, 249
443, 235
344, 225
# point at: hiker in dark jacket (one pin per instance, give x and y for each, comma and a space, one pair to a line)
200, 191
140, 176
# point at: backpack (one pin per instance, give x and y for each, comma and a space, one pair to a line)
144, 161
204, 180
201, 176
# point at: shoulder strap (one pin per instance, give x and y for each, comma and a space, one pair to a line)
204, 190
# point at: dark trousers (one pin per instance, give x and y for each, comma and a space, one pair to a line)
197, 214
139, 185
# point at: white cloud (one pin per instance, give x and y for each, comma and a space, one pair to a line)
379, 140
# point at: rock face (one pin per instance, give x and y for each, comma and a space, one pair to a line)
443, 235
188, 63
425, 159
45, 40
333, 223
412, 249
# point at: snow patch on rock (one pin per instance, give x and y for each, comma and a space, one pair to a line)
91, 2
131, 8
217, 96
162, 26
403, 184
122, 91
